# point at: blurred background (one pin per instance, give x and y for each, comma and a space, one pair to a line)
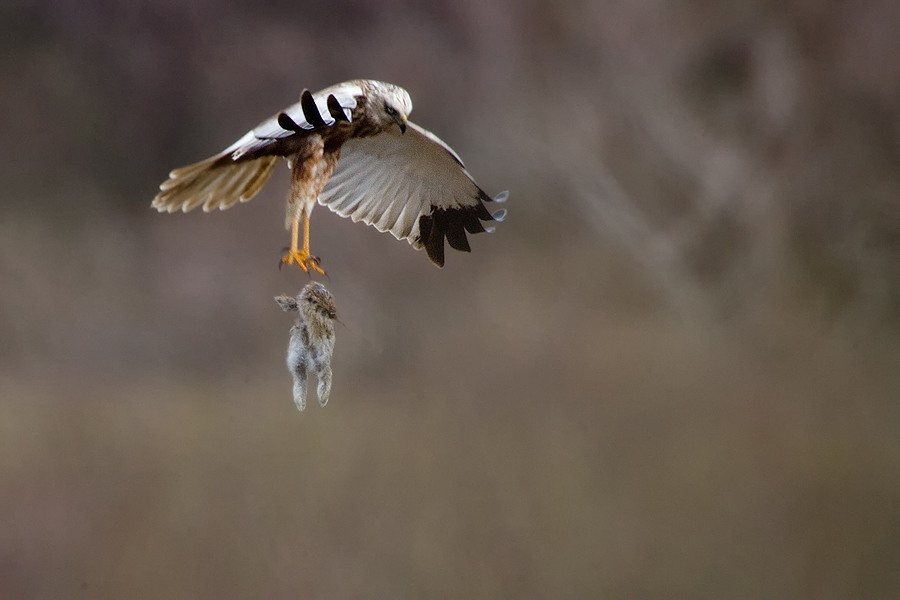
671, 373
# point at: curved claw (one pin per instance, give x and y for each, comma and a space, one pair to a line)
314, 263
303, 259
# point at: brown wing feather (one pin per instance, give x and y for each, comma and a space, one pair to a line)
237, 173
213, 185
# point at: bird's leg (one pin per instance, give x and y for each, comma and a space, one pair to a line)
301, 256
311, 260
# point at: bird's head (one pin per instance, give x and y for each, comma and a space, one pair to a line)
389, 104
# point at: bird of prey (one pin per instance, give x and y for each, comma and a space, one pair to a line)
312, 340
351, 147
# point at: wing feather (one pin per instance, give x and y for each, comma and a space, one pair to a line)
214, 187
238, 173
412, 185
405, 184
270, 131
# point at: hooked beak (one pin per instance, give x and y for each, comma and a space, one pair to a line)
401, 121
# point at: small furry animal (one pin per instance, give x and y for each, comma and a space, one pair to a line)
312, 340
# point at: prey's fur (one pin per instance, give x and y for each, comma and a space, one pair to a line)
312, 340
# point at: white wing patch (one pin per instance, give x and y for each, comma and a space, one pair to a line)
391, 179
202, 184
270, 130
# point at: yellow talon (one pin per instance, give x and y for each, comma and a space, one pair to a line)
301, 256
303, 259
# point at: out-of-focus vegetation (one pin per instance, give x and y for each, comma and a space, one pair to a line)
673, 371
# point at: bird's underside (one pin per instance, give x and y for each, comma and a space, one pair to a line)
351, 148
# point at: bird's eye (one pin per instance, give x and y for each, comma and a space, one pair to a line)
390, 110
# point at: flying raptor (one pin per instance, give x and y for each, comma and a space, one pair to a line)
351, 147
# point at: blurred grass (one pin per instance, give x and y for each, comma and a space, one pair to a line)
672, 372
659, 462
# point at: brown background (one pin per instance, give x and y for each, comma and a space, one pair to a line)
671, 373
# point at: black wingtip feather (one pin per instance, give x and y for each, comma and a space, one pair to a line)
452, 224
287, 123
334, 107
435, 251
456, 237
310, 110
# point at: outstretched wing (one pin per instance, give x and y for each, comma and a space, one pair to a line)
413, 185
313, 110
238, 173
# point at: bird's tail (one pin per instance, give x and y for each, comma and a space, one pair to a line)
216, 182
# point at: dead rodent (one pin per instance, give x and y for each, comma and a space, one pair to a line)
312, 340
